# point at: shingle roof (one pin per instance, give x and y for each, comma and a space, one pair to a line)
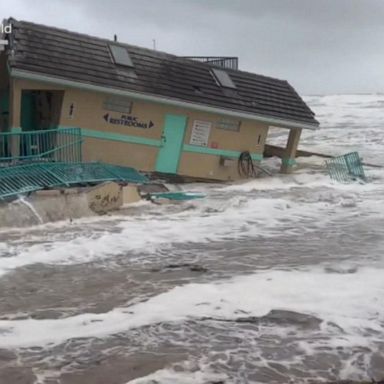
68, 55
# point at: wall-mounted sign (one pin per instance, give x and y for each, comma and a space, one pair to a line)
129, 121
200, 133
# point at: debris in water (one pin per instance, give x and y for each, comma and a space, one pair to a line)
178, 196
346, 168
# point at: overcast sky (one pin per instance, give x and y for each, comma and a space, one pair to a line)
319, 46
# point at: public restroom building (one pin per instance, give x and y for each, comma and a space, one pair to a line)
143, 108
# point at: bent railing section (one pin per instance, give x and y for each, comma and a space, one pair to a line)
346, 168
23, 179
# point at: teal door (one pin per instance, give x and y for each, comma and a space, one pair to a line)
172, 143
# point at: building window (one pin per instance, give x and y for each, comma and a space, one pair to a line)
118, 104
222, 78
120, 55
229, 125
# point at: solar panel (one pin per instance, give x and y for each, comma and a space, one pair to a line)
120, 55
223, 78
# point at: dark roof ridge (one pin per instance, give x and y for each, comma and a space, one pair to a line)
88, 36
85, 58
153, 51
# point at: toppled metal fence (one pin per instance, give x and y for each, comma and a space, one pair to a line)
59, 145
22, 179
346, 168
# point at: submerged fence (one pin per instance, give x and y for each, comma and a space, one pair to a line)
346, 168
54, 145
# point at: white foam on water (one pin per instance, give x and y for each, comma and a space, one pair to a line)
352, 301
61, 224
168, 375
303, 179
209, 220
30, 206
344, 294
348, 123
228, 216
140, 203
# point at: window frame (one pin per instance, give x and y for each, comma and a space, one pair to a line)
222, 78
117, 53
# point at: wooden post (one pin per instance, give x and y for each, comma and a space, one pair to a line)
15, 117
288, 159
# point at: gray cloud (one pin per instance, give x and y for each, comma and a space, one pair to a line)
320, 46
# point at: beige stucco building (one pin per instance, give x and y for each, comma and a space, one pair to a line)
142, 108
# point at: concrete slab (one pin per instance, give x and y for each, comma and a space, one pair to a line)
104, 197
130, 194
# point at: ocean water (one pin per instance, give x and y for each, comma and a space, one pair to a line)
273, 280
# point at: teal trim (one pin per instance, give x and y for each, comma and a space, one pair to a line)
119, 137
218, 152
16, 130
157, 143
21, 74
289, 162
173, 137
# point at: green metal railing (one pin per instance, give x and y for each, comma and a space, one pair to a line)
21, 179
54, 145
346, 168
34, 160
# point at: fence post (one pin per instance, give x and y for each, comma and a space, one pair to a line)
15, 143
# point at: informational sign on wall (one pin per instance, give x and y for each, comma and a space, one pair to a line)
200, 133
129, 121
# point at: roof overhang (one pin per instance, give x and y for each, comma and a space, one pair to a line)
33, 76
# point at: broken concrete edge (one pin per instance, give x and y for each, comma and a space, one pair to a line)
61, 204
53, 205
